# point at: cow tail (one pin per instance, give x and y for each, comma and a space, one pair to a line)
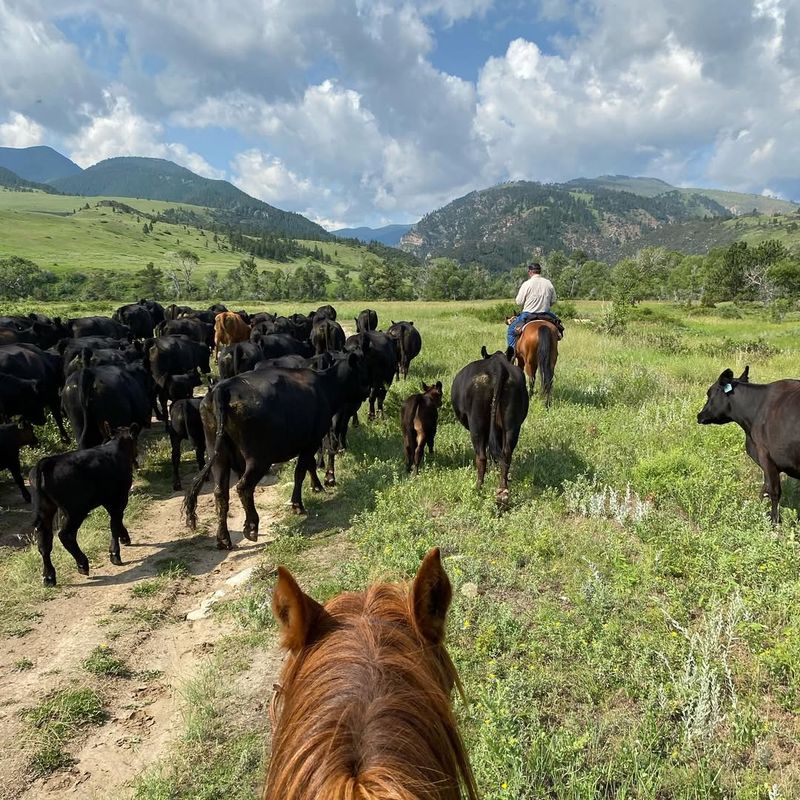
545, 353
402, 345
37, 480
85, 391
496, 433
329, 338
237, 358
219, 399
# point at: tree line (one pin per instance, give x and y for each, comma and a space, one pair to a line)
766, 272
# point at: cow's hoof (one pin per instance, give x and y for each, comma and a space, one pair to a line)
371, 417
83, 569
66, 440
124, 539
48, 581
26, 497
224, 544
330, 480
502, 498
317, 489
298, 509
115, 560
176, 487
251, 533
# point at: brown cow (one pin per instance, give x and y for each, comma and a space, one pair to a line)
230, 328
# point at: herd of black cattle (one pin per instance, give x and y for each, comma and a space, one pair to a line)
288, 388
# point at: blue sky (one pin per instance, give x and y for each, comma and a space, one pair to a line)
355, 112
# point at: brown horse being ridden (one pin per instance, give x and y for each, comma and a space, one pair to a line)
362, 710
537, 349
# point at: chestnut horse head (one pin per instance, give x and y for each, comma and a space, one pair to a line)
537, 349
363, 709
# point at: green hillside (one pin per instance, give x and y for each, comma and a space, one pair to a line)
59, 233
163, 180
11, 180
606, 218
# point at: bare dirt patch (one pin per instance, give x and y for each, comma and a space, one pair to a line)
159, 644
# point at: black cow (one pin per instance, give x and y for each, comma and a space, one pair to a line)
155, 308
327, 335
490, 400
174, 355
409, 344
381, 355
96, 397
265, 417
367, 320
46, 368
303, 325
262, 316
419, 418
335, 440
323, 312
246, 355
69, 348
185, 423
97, 326
138, 318
105, 357
76, 483
12, 438
173, 311
195, 329
181, 387
769, 415
20, 397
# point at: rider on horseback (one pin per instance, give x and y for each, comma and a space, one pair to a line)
535, 296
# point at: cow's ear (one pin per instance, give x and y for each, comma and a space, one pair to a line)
484, 352
726, 376
135, 430
294, 610
107, 432
431, 596
745, 376
425, 386
352, 360
393, 322
439, 385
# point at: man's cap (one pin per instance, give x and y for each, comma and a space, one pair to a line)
535, 267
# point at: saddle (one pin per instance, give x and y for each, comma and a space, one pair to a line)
544, 316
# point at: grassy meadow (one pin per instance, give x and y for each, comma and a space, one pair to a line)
59, 234
628, 628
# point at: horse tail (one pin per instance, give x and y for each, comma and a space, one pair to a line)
545, 353
85, 391
219, 400
495, 416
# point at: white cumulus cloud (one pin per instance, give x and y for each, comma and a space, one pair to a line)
20, 131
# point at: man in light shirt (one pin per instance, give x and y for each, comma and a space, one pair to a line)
535, 296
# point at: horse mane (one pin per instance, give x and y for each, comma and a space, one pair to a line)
364, 709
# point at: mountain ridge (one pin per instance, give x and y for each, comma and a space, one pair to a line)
387, 234
40, 164
159, 179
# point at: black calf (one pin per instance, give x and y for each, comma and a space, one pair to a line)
76, 483
419, 417
185, 423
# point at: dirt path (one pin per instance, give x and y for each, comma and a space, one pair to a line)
164, 639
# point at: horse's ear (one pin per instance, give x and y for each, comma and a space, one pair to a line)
294, 610
745, 376
432, 594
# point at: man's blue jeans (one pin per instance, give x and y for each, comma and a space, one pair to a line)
511, 337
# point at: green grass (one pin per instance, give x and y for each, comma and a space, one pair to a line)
60, 235
636, 631
58, 719
103, 661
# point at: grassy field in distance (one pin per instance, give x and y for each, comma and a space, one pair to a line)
630, 628
44, 229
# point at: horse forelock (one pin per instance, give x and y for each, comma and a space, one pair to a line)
365, 710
